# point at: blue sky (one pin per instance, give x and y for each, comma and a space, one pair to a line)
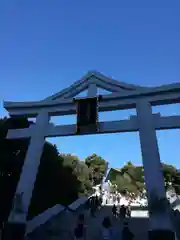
47, 45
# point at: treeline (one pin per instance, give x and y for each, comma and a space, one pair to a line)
61, 178
130, 178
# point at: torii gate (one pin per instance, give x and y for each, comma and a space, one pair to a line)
123, 96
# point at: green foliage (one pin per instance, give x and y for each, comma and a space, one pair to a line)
81, 171
113, 188
172, 177
130, 178
122, 184
98, 168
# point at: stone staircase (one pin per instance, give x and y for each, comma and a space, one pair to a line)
139, 226
62, 226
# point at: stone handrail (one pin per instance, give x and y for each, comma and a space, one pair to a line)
43, 217
79, 202
51, 212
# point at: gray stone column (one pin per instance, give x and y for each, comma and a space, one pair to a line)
16, 226
160, 223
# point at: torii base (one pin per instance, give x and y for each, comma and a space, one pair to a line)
14, 231
161, 234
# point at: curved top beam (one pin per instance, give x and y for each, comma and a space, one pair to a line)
123, 96
72, 87
99, 79
120, 84
164, 89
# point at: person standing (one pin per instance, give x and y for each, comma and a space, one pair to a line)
114, 210
118, 199
126, 232
96, 202
100, 201
114, 198
107, 231
122, 212
80, 229
128, 211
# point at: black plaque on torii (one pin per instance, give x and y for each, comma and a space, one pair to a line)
87, 115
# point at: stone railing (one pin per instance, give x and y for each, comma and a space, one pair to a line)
43, 217
51, 212
78, 203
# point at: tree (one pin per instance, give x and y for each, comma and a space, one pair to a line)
66, 178
136, 177
98, 168
83, 176
176, 182
81, 171
131, 177
113, 188
171, 177
56, 182
11, 161
169, 173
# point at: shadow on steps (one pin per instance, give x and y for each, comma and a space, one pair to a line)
62, 225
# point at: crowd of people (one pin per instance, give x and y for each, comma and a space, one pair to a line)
107, 231
123, 212
95, 202
118, 199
